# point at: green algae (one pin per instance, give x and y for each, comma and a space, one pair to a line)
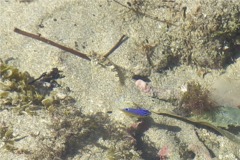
223, 117
21, 93
8, 138
196, 106
204, 122
72, 130
74, 133
15, 90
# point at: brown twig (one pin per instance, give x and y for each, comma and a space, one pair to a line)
42, 39
121, 40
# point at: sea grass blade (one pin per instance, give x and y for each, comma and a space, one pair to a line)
223, 132
222, 117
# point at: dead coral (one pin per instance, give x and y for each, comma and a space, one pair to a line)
164, 153
144, 87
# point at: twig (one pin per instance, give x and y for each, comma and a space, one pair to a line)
37, 37
121, 40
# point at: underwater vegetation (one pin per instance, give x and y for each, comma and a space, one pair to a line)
72, 132
14, 87
196, 100
7, 139
210, 35
197, 103
196, 35
198, 107
75, 134
22, 93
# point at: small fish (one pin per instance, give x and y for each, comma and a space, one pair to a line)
137, 112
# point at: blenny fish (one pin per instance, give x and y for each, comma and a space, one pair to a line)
137, 112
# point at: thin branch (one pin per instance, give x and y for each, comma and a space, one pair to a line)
121, 40
42, 39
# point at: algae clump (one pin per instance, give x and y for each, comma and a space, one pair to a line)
14, 88
22, 93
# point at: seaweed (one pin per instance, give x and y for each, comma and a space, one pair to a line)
205, 122
223, 117
72, 130
22, 93
74, 133
196, 100
14, 87
197, 106
8, 138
